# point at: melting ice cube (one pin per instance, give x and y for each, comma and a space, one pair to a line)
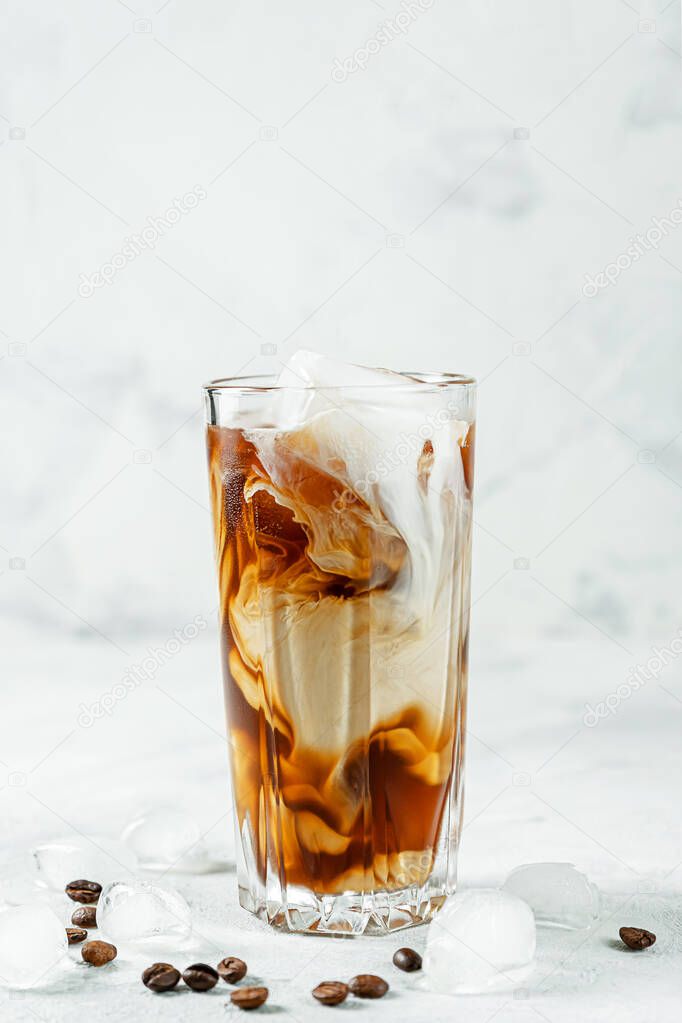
558, 894
32, 946
168, 838
308, 384
20, 884
95, 859
482, 940
141, 914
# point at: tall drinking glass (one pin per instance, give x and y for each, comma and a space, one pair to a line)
342, 520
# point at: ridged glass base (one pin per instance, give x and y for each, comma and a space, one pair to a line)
350, 913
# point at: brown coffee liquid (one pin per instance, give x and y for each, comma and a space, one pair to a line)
322, 801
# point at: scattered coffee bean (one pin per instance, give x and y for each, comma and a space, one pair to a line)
74, 935
83, 891
367, 985
86, 916
331, 992
98, 953
231, 969
636, 937
200, 977
407, 959
249, 997
160, 977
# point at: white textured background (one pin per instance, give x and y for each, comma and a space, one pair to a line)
292, 246
438, 210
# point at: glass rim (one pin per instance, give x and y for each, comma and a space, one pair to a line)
412, 381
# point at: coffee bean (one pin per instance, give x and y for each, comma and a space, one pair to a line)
83, 891
160, 977
331, 992
249, 997
98, 953
200, 977
86, 916
74, 935
367, 985
407, 959
231, 969
636, 937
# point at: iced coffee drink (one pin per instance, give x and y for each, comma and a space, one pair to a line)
341, 502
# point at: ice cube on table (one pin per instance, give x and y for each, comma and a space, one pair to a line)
33, 946
19, 883
482, 940
141, 914
558, 894
26, 891
98, 858
168, 838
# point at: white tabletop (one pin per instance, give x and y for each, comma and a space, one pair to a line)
542, 785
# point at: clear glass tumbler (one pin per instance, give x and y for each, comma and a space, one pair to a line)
342, 519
